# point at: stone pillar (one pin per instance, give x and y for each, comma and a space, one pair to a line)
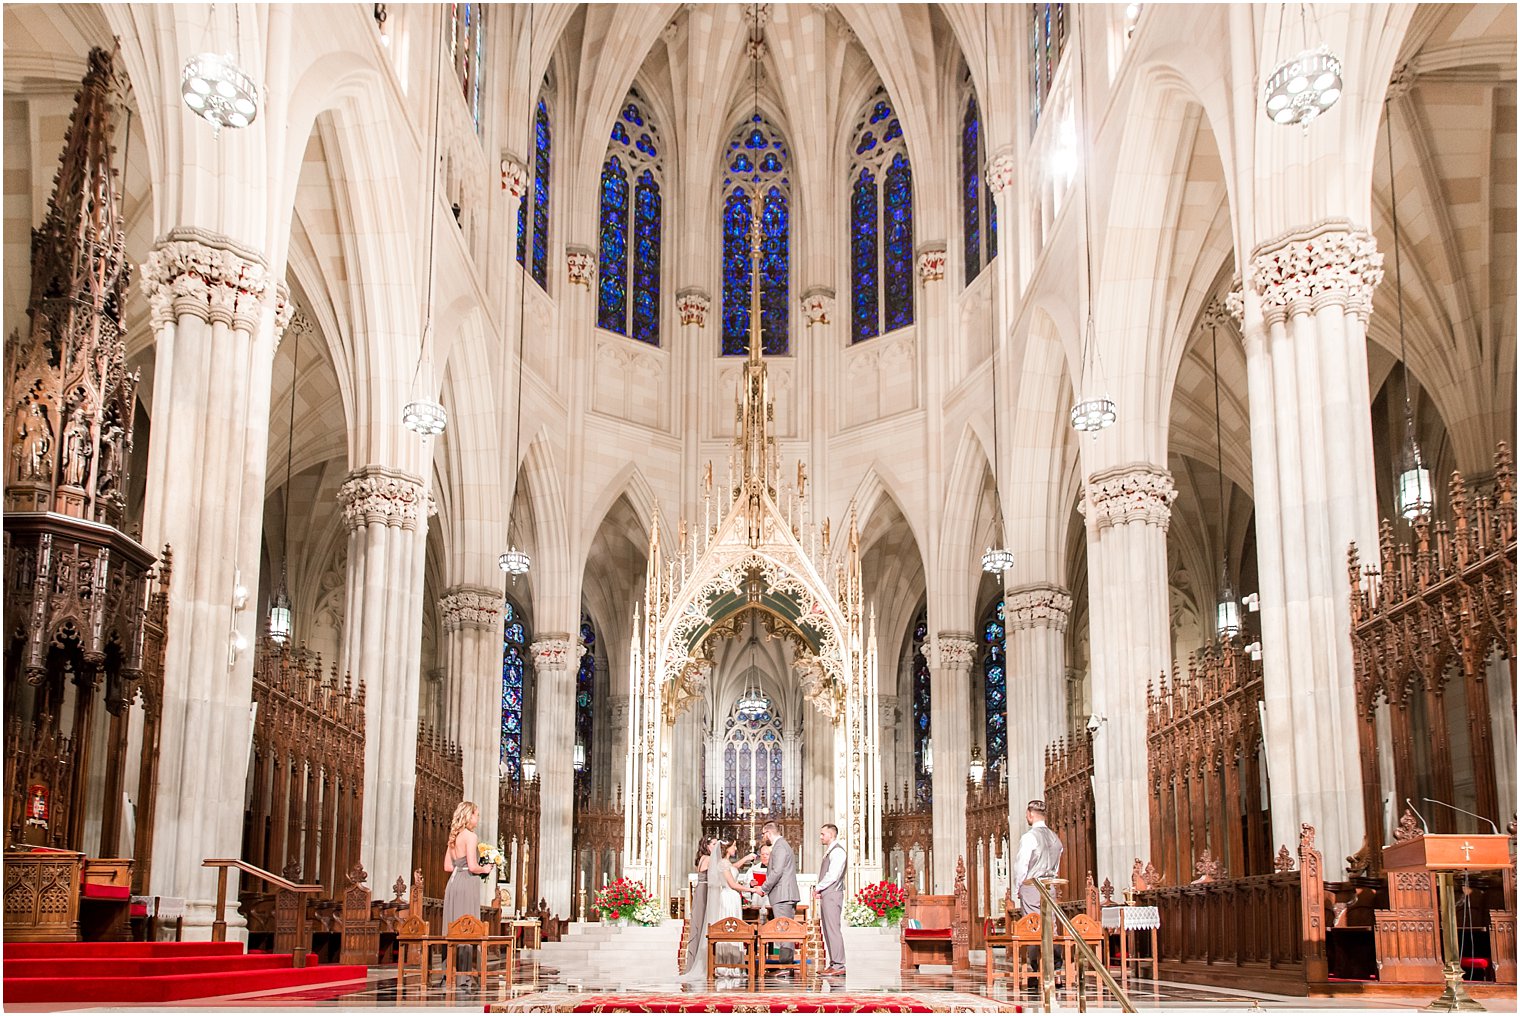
1311, 449
472, 646
1035, 618
555, 657
950, 719
385, 511
1127, 511
216, 314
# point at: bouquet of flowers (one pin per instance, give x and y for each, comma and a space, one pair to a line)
887, 900
858, 915
624, 898
490, 855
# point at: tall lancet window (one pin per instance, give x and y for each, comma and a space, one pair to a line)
995, 685
538, 198
1047, 41
514, 640
628, 300
881, 223
754, 767
585, 716
467, 46
978, 213
922, 755
756, 164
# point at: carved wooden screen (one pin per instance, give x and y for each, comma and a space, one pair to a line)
598, 851
440, 788
517, 822
306, 792
1439, 606
1069, 808
1203, 729
907, 839
988, 853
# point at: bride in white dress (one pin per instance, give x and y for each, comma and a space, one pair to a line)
723, 900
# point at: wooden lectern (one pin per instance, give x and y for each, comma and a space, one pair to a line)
1444, 855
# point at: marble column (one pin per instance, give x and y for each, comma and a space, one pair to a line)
216, 314
1127, 511
949, 726
1035, 618
1311, 449
472, 646
386, 513
555, 658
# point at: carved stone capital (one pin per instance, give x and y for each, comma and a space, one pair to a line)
580, 266
693, 305
1002, 171
1215, 314
1332, 262
818, 306
194, 272
1138, 493
470, 607
555, 652
514, 177
375, 495
1039, 606
956, 649
1235, 302
931, 264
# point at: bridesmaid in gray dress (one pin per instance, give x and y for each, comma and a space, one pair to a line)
462, 894
696, 916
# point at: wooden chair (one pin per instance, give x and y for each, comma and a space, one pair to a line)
780, 931
998, 934
937, 929
1026, 935
414, 947
731, 931
465, 932
358, 930
1090, 932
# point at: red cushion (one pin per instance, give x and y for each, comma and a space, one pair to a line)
94, 891
1475, 963
139, 910
933, 934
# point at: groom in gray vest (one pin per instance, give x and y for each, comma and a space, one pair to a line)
781, 879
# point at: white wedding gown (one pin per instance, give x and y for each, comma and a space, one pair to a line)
722, 901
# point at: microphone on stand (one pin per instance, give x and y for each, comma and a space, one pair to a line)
1463, 811
1426, 825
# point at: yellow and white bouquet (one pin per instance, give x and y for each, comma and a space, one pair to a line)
490, 855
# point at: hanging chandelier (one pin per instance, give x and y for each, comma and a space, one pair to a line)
996, 560
424, 417
1415, 493
1093, 412
219, 91
1299, 89
514, 562
1092, 415
753, 702
1227, 611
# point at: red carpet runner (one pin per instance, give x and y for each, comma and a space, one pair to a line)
105, 972
743, 1001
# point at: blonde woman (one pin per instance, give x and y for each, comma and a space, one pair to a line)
462, 895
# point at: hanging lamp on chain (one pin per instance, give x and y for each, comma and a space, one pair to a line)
215, 88
1095, 409
1306, 84
1227, 611
996, 560
426, 416
1415, 493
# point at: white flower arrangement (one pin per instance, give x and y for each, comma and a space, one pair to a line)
646, 914
858, 915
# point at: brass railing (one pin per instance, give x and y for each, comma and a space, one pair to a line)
219, 926
1050, 909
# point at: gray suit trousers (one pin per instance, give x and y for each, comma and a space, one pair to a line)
831, 911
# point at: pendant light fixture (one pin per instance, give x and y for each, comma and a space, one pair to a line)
279, 604
516, 562
1095, 410
424, 416
753, 702
1227, 612
1415, 493
216, 88
995, 561
1305, 85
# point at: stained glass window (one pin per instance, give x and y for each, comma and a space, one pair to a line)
467, 46
629, 271
995, 682
881, 223
921, 726
513, 668
978, 211
1047, 41
538, 197
754, 771
755, 165
585, 692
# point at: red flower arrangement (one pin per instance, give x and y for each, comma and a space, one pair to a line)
885, 899
621, 898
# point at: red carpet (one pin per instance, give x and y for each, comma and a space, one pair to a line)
138, 972
744, 1001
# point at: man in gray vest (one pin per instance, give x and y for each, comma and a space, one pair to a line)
781, 879
1039, 856
829, 894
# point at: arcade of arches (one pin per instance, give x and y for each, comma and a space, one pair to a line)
968, 219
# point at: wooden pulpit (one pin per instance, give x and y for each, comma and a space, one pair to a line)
1444, 855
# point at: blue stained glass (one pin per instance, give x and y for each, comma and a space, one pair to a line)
867, 142
770, 164
742, 163
756, 140
646, 146
620, 135
995, 686
512, 672
922, 780
971, 189
775, 266
736, 295
730, 779
585, 688
863, 236
778, 780
541, 197
522, 229
646, 260
880, 112
746, 776
992, 236
897, 224
612, 305
632, 115
507, 612
894, 131
515, 633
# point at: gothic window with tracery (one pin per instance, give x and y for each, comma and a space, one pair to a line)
629, 272
995, 685
514, 641
754, 765
978, 213
538, 198
467, 46
1047, 41
881, 223
585, 693
922, 783
756, 165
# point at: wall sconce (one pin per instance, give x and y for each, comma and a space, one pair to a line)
236, 640
1251, 601
1094, 722
1254, 650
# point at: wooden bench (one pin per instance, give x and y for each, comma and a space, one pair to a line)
937, 929
779, 931
731, 931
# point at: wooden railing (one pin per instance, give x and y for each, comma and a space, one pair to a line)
291, 929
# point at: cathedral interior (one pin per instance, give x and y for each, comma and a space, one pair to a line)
650, 421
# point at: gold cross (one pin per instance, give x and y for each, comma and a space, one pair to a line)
1467, 851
